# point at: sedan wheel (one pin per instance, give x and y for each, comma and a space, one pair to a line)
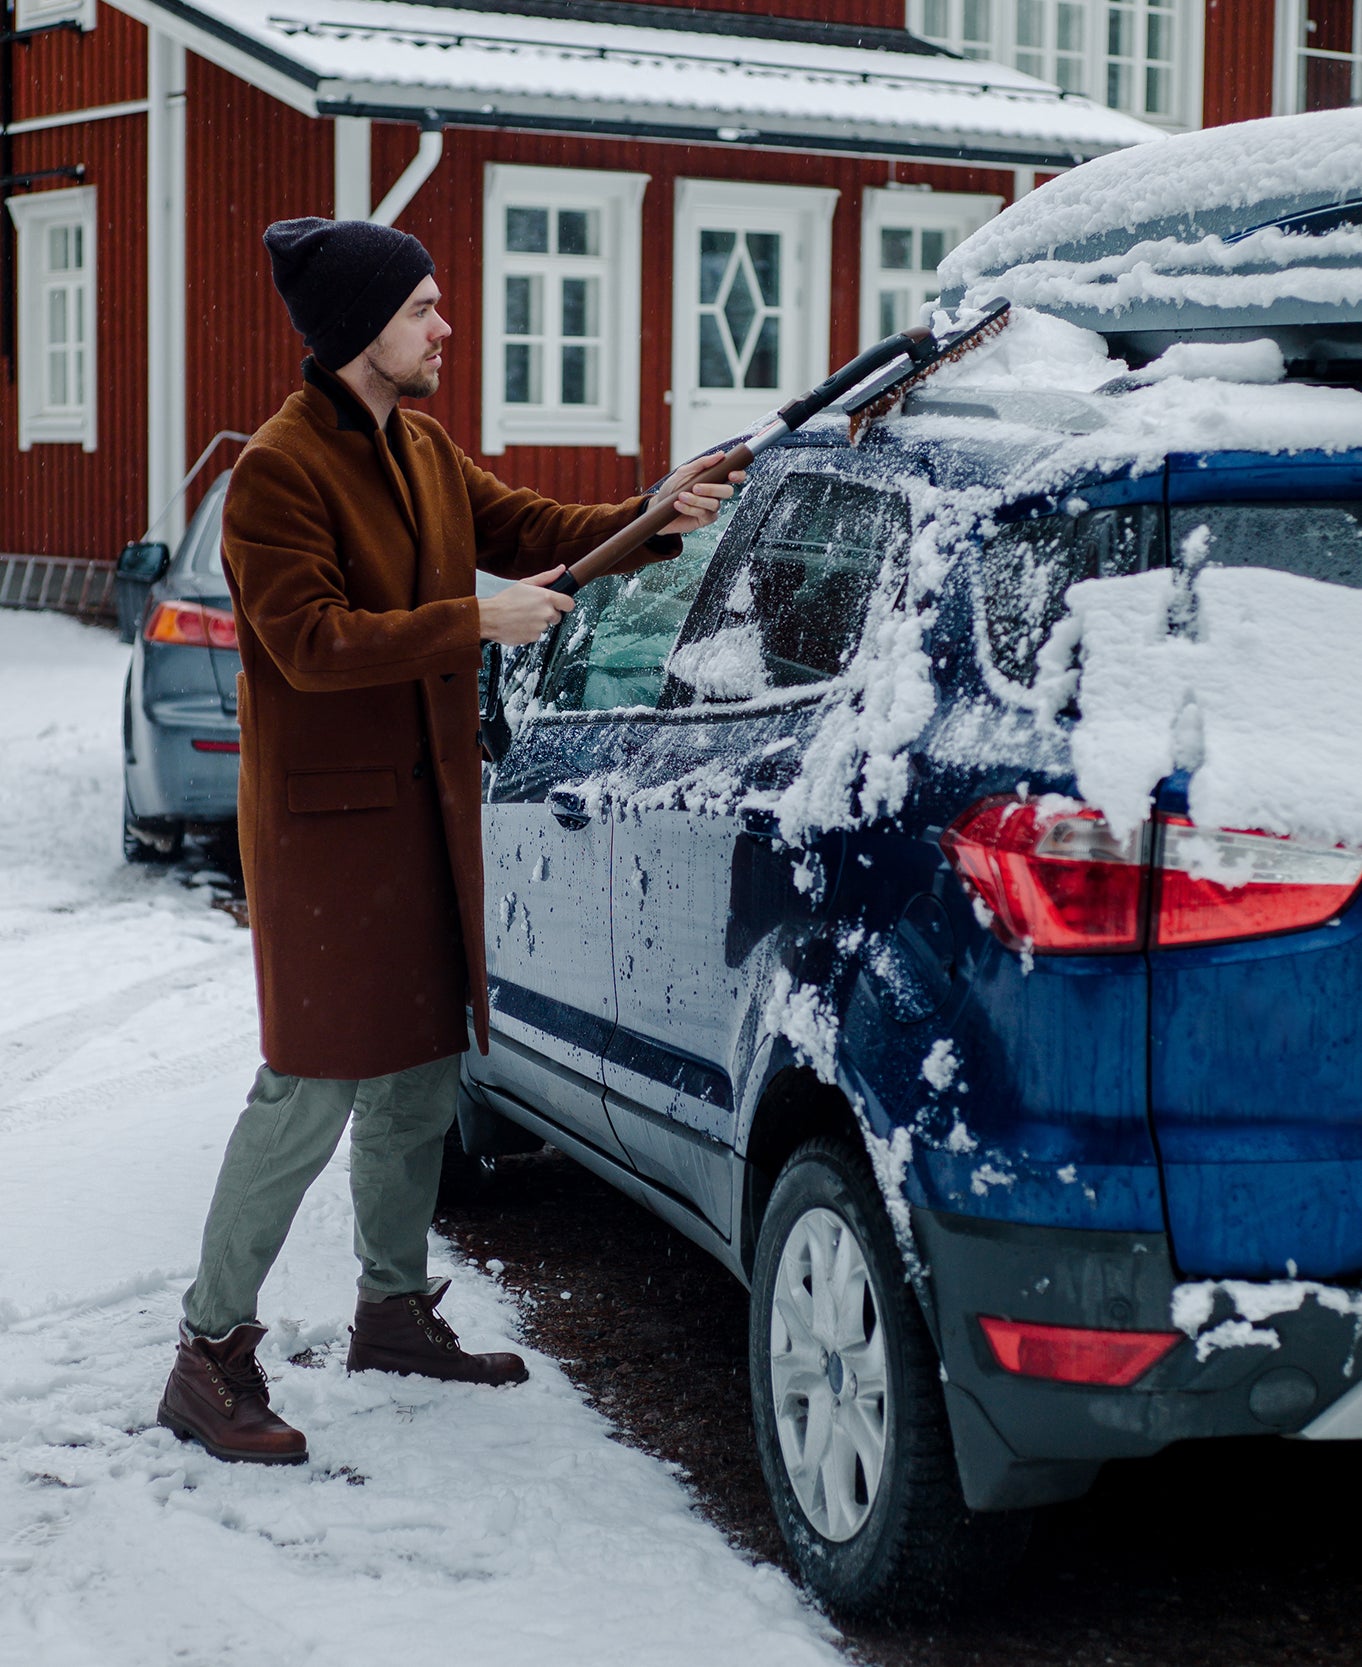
158, 841
850, 1421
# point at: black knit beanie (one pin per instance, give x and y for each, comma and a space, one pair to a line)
342, 280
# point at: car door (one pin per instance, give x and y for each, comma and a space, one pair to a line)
547, 833
700, 882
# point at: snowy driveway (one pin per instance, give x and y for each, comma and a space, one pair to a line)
435, 1522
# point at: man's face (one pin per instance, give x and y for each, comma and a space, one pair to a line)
406, 356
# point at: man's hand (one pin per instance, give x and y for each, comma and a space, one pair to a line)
523, 611
697, 506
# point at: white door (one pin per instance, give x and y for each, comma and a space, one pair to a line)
751, 299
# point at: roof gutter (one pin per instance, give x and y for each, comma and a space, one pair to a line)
969, 152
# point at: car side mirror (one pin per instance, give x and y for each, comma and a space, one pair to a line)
139, 566
494, 733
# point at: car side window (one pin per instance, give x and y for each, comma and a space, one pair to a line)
785, 610
1028, 566
611, 651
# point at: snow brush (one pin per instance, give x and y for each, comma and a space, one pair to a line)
892, 389
913, 344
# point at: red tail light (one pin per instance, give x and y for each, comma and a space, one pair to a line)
1052, 874
1215, 884
1075, 1354
191, 625
1056, 880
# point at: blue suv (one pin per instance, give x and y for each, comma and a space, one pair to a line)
1037, 1142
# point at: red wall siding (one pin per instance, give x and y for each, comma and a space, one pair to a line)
250, 160
447, 216
57, 499
69, 71
1239, 45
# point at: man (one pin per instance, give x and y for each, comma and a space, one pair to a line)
351, 532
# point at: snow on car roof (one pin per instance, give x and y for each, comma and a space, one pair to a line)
1184, 234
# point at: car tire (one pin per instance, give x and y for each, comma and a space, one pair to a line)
158, 841
464, 1179
876, 1522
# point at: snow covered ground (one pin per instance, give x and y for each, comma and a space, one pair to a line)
435, 1522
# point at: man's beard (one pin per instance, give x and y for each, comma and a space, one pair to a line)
419, 384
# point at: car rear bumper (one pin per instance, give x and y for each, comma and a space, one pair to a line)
169, 775
1029, 1441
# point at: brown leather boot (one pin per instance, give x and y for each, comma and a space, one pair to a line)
216, 1395
404, 1334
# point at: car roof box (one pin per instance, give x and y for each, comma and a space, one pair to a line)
1230, 234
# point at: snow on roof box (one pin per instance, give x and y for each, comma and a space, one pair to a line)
1233, 233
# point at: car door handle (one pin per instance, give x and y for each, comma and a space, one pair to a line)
569, 809
759, 824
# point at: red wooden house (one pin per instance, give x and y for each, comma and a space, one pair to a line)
650, 221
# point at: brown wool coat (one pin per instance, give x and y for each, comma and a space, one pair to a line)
350, 554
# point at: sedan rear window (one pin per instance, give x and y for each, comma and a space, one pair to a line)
1312, 540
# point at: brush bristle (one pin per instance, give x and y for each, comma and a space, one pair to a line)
897, 393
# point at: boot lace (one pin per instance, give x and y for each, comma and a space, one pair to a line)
436, 1328
238, 1379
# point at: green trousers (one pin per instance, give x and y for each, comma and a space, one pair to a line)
282, 1142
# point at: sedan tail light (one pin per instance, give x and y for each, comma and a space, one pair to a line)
1056, 880
1215, 884
1052, 874
1075, 1354
191, 625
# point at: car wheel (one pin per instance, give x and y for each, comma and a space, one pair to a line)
158, 841
850, 1421
464, 1179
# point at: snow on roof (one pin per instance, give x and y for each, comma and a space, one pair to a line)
479, 66
1183, 233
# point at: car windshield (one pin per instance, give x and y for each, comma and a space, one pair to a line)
1312, 540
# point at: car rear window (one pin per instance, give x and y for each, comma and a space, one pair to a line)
1028, 566
1312, 540
206, 556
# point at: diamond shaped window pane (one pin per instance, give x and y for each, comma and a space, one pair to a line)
715, 249
716, 370
763, 369
764, 249
740, 308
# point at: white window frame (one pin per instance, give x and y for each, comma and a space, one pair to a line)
33, 14
1188, 48
618, 198
34, 216
956, 213
1288, 53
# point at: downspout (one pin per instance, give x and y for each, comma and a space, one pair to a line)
166, 366
414, 175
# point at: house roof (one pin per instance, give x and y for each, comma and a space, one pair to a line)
545, 66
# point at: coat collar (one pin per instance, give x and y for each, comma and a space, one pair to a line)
393, 443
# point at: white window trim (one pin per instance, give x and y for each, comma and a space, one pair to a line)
32, 14
1286, 51
619, 199
32, 215
958, 212
1188, 52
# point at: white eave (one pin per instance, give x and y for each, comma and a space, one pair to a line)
441, 66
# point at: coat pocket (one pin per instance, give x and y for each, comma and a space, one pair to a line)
318, 790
